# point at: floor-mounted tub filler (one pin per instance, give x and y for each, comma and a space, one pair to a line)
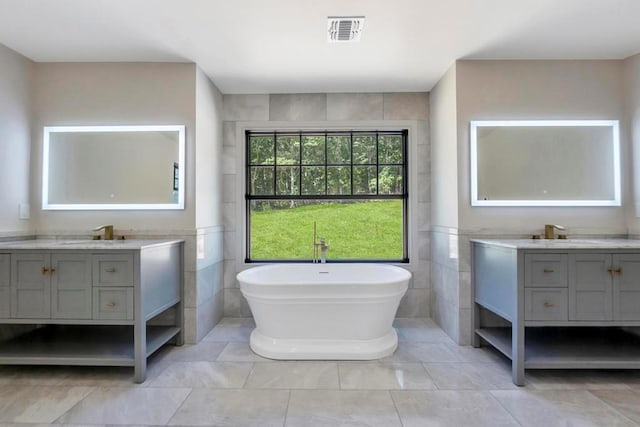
324, 311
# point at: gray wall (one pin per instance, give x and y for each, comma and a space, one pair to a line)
114, 94
204, 302
512, 90
632, 107
445, 301
493, 90
15, 139
334, 108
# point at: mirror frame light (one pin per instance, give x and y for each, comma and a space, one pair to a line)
473, 137
48, 130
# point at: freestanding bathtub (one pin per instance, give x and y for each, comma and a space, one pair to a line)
324, 311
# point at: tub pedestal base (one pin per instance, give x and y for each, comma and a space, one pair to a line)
323, 349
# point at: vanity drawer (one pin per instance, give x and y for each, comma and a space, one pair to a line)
546, 304
545, 270
113, 303
112, 270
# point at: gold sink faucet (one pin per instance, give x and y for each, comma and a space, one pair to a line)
549, 230
108, 231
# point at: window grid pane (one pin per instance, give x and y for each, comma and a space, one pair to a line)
344, 153
326, 174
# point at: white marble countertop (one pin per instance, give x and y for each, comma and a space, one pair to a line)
562, 244
84, 244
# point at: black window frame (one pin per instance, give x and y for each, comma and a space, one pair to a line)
404, 196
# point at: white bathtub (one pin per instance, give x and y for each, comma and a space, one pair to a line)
324, 311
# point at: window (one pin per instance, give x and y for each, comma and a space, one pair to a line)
352, 184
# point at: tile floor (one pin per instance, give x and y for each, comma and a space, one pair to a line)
429, 381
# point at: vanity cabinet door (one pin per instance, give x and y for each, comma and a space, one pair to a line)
30, 286
71, 294
590, 287
5, 286
626, 287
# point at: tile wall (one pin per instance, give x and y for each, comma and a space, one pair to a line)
334, 107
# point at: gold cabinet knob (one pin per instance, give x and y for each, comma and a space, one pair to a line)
110, 270
548, 270
110, 304
549, 305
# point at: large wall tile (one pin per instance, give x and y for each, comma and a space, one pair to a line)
229, 216
191, 325
421, 278
354, 106
464, 291
424, 216
415, 303
209, 314
235, 305
230, 280
298, 107
229, 134
229, 245
424, 245
423, 133
464, 327
229, 159
245, 107
424, 159
208, 282
406, 106
190, 289
424, 188
229, 188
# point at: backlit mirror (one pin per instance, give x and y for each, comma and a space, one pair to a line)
545, 163
113, 167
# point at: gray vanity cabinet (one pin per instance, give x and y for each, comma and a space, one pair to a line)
5, 285
569, 305
51, 285
604, 287
92, 303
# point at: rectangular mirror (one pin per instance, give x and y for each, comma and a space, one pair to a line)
113, 167
545, 163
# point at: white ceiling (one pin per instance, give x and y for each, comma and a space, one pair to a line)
279, 46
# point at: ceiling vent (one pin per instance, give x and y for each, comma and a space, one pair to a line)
344, 28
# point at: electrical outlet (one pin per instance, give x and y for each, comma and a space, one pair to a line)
24, 211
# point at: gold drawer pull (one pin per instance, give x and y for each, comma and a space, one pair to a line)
110, 270
548, 305
110, 304
548, 270
613, 271
45, 270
